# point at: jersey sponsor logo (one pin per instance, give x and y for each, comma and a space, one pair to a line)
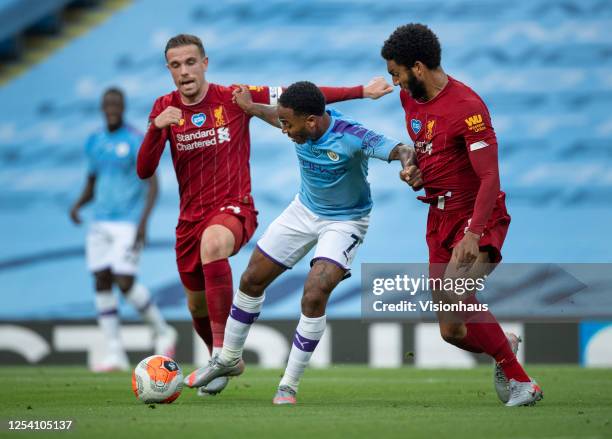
199, 139
198, 119
416, 125
255, 88
219, 116
223, 134
333, 156
429, 131
322, 171
122, 149
475, 123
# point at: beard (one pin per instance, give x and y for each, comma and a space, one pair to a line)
416, 88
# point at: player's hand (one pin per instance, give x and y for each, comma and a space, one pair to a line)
170, 116
466, 252
242, 96
74, 215
141, 237
376, 88
412, 175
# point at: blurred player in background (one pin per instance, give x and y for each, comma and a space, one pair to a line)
331, 211
122, 204
210, 147
456, 150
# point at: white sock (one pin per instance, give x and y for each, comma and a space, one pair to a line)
307, 335
216, 351
108, 319
244, 312
140, 298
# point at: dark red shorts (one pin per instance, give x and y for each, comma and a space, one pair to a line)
240, 218
446, 229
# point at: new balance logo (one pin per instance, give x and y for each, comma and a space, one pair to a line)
223, 134
234, 209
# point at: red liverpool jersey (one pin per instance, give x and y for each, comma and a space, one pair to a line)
456, 151
211, 146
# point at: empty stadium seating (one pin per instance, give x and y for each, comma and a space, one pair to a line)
544, 68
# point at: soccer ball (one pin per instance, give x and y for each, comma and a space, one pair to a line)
157, 379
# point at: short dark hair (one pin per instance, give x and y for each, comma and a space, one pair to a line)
303, 98
411, 43
185, 40
114, 91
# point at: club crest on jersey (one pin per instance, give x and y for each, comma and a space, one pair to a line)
333, 156
219, 116
416, 125
198, 119
430, 128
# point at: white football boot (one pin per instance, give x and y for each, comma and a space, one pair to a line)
524, 393
502, 386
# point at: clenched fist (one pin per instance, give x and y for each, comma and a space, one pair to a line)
170, 116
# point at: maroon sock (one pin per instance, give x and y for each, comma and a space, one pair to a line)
470, 341
486, 331
219, 294
202, 327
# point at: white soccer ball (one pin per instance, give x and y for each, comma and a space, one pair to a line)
157, 379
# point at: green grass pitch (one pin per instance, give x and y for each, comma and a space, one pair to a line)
343, 401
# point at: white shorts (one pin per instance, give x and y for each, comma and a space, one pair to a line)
111, 245
298, 229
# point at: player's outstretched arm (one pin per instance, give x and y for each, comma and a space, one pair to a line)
410, 172
267, 113
150, 201
376, 88
86, 196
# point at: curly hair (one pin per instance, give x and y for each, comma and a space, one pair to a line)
303, 98
411, 43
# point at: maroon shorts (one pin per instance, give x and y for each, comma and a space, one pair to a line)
240, 218
446, 229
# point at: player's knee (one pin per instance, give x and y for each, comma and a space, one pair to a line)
125, 283
252, 283
103, 280
216, 245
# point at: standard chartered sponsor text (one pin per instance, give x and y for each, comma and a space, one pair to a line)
198, 139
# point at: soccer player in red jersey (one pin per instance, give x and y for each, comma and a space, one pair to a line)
210, 147
467, 223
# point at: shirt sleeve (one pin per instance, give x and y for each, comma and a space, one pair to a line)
481, 145
372, 144
264, 94
152, 146
269, 95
